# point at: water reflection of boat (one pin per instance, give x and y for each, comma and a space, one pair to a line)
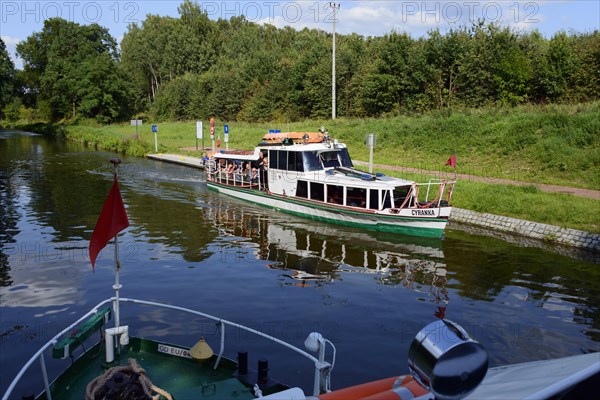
322, 253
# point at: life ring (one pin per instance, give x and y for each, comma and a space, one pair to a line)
401, 387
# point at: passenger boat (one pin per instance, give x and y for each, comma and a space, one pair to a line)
444, 362
310, 175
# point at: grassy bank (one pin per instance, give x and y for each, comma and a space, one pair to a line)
557, 144
523, 202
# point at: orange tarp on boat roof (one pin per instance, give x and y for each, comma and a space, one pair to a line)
297, 137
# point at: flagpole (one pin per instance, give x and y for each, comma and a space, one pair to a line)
455, 174
117, 285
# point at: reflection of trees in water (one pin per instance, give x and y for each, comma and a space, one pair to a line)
9, 215
485, 268
171, 223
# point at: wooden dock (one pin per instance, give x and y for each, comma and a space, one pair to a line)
188, 161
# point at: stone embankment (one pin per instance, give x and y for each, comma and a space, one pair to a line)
544, 232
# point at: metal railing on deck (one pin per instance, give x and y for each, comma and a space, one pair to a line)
444, 187
233, 178
322, 368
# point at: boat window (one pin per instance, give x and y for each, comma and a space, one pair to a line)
400, 194
302, 189
312, 162
330, 159
357, 197
345, 158
273, 154
295, 161
374, 199
282, 162
387, 199
335, 194
317, 191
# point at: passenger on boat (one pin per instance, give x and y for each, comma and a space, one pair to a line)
263, 167
254, 175
204, 158
230, 169
238, 173
248, 172
220, 168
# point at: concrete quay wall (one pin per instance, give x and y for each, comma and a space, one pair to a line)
544, 232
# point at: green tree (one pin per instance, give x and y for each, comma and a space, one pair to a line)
7, 76
74, 70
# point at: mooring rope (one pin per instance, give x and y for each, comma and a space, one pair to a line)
133, 368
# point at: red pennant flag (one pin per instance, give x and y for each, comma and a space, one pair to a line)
452, 161
112, 220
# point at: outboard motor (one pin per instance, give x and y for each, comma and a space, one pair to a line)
446, 361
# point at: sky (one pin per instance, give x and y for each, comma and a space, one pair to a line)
21, 18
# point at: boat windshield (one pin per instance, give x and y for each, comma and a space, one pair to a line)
311, 161
345, 158
336, 158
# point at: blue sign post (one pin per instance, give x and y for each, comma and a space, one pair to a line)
155, 131
226, 131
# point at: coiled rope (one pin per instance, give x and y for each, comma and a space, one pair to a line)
137, 379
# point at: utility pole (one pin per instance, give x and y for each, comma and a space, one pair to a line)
335, 7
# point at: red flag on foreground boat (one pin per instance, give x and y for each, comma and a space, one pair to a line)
452, 161
112, 220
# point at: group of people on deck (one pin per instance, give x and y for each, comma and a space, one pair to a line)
243, 172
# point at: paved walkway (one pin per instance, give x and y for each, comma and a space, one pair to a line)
188, 161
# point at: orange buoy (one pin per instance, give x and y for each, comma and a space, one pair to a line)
401, 387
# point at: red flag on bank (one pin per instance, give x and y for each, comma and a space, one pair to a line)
452, 161
112, 220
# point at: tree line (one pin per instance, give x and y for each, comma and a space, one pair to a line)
194, 67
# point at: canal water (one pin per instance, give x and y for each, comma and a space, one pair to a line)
368, 293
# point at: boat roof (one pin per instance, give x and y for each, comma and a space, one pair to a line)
244, 155
538, 379
253, 155
296, 137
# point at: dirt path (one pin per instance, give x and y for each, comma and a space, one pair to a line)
592, 194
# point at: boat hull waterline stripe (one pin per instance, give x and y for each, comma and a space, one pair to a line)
427, 227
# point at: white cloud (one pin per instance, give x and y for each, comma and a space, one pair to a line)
11, 47
10, 41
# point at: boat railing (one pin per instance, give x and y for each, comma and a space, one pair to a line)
232, 178
40, 353
322, 368
444, 187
